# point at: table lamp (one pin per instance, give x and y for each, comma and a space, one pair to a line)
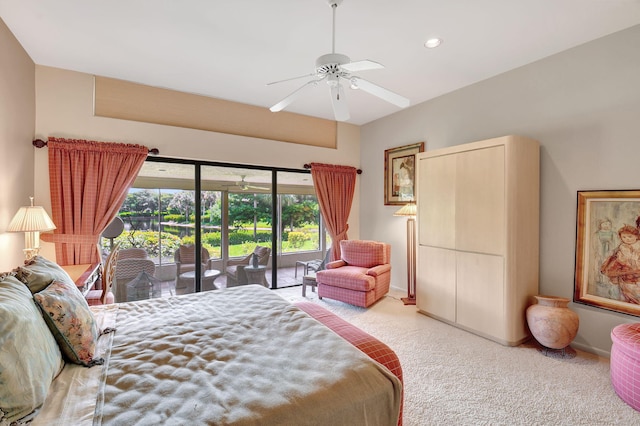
31, 220
409, 210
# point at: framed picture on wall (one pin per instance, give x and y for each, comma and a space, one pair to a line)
607, 271
399, 174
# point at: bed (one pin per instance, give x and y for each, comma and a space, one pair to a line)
239, 356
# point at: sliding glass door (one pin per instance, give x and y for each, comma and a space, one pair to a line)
198, 221
245, 208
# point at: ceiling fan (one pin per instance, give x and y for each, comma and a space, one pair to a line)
336, 68
244, 185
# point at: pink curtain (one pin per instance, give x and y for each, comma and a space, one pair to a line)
334, 187
89, 182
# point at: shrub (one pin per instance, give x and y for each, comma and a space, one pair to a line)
214, 239
149, 241
297, 239
244, 236
174, 217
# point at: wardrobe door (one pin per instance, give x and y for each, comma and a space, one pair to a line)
437, 201
480, 201
481, 293
436, 285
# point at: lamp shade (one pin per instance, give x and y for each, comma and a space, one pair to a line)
30, 219
407, 210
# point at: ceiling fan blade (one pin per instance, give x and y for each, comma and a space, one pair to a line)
292, 78
363, 65
340, 108
292, 97
380, 92
261, 188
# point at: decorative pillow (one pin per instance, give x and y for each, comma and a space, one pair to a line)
29, 356
39, 272
69, 318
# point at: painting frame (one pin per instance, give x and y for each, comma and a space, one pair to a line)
399, 174
608, 250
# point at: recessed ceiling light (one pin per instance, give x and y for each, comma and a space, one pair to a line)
433, 43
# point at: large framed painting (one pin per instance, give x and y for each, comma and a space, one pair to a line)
399, 174
607, 271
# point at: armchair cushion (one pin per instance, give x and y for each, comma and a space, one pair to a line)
364, 253
233, 270
350, 277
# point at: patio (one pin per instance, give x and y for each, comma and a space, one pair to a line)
286, 278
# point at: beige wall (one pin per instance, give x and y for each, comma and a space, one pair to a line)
583, 105
64, 108
17, 116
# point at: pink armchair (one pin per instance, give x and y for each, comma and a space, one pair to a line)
361, 277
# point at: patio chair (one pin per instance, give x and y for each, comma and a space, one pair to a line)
128, 270
313, 267
185, 258
236, 274
105, 295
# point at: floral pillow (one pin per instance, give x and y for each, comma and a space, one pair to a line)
39, 272
69, 318
29, 356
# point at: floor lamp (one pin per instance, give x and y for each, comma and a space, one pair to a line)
409, 210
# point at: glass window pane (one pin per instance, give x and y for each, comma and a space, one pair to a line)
158, 216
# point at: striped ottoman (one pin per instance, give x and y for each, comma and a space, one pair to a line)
625, 363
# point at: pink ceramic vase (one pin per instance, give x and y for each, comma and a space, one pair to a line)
551, 322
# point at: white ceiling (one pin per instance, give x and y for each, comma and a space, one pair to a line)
231, 49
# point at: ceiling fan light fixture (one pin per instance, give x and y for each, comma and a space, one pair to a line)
333, 67
331, 60
432, 43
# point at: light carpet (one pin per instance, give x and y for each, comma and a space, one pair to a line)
453, 377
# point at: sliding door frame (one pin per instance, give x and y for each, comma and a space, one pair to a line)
275, 224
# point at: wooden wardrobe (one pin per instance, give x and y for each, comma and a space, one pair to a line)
478, 235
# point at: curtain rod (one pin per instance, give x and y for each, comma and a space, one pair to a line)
308, 166
39, 143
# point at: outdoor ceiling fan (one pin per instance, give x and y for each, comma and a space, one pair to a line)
244, 185
336, 68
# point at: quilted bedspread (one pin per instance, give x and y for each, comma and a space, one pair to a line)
238, 356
